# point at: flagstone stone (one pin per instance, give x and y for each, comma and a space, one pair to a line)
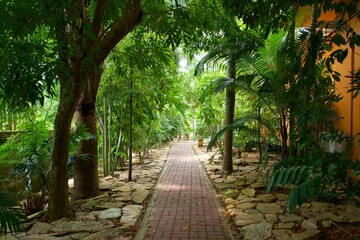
140, 195
81, 226
260, 230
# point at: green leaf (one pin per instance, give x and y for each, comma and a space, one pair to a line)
293, 199
338, 39
330, 169
279, 178
302, 194
293, 176
272, 179
336, 77
286, 177
299, 176
326, 46
10, 214
310, 189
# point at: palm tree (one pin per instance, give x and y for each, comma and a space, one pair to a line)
230, 50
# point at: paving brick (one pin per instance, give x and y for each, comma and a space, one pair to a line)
185, 207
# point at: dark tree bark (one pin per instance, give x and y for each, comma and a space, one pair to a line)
229, 119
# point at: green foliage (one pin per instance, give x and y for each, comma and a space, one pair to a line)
355, 82
29, 151
327, 176
10, 214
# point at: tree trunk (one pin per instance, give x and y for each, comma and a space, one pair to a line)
130, 127
86, 180
85, 184
229, 120
58, 192
105, 140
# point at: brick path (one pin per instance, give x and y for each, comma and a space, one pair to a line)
184, 207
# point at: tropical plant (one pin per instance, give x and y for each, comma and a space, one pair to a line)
11, 216
330, 176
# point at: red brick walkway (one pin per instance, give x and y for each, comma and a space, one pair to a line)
184, 207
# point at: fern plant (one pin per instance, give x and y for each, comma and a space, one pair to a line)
11, 215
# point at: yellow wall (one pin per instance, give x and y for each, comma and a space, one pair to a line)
348, 108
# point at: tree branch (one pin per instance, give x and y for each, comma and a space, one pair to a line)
98, 13
131, 17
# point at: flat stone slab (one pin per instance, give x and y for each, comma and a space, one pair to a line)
243, 219
40, 228
130, 215
307, 235
111, 213
269, 208
139, 195
260, 230
80, 226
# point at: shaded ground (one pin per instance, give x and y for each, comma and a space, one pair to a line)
251, 213
112, 215
254, 214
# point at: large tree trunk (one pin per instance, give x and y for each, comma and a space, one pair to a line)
58, 193
86, 180
229, 120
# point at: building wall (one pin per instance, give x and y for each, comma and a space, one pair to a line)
348, 108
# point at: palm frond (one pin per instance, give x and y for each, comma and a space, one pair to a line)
220, 84
239, 125
212, 57
10, 214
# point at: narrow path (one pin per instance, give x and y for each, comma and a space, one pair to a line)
184, 207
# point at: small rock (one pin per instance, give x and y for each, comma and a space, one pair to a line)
83, 216
269, 208
267, 198
230, 179
288, 225
109, 177
245, 199
326, 224
257, 185
307, 235
81, 235
107, 205
290, 218
261, 230
281, 234
111, 213
105, 186
125, 188
271, 218
40, 227
130, 215
212, 177
80, 226
308, 225
243, 219
246, 205
230, 193
140, 195
250, 192
218, 180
